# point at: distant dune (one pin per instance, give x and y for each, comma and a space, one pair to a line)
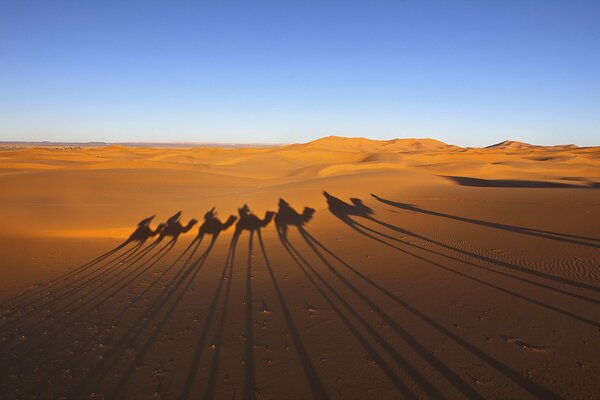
376, 269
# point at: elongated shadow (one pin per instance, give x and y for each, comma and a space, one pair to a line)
95, 302
345, 211
217, 342
364, 230
287, 216
57, 296
531, 387
141, 353
250, 371
201, 345
316, 387
562, 237
117, 319
139, 326
402, 388
247, 221
142, 233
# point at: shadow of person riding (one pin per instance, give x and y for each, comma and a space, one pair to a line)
345, 212
250, 222
173, 228
211, 226
286, 216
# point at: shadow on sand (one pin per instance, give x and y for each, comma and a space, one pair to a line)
345, 212
322, 283
563, 237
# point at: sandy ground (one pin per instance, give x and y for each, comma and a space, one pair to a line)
426, 271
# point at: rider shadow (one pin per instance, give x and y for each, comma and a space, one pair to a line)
142, 233
247, 222
450, 375
559, 236
287, 217
253, 224
176, 289
172, 229
214, 227
73, 281
345, 212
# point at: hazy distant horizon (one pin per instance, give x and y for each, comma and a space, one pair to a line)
240, 144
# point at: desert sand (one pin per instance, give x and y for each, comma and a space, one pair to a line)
359, 269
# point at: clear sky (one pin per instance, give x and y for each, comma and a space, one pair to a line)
465, 72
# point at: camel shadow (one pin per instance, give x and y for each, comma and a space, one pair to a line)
345, 211
289, 217
253, 224
322, 283
60, 288
168, 299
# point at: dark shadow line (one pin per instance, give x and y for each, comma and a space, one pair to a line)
387, 370
61, 296
57, 287
218, 338
511, 228
531, 387
75, 358
60, 279
491, 260
117, 319
249, 369
519, 278
201, 344
316, 387
435, 362
137, 328
520, 296
140, 354
138, 271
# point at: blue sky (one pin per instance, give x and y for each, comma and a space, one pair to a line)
465, 72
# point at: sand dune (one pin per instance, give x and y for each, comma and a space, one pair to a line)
405, 268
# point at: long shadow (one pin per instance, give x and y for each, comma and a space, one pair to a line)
563, 237
531, 387
136, 257
211, 226
362, 229
95, 302
402, 388
247, 222
143, 351
117, 319
249, 375
345, 211
139, 236
202, 338
217, 342
110, 358
316, 386
287, 216
69, 287
136, 253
